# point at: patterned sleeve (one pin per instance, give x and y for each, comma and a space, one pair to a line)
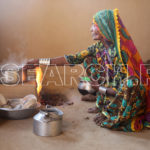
79, 57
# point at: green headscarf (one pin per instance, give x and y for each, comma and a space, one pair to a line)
106, 24
105, 20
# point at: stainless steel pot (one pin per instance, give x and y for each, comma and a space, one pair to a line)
48, 122
85, 87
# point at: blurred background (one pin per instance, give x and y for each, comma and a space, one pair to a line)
49, 28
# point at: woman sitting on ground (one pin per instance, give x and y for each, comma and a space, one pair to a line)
113, 66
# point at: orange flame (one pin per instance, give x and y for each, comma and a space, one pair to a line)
23, 76
39, 76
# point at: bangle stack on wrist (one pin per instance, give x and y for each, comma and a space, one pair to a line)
103, 90
44, 61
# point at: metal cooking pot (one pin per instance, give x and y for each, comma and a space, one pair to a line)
85, 87
48, 122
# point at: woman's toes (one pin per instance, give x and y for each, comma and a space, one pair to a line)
97, 122
98, 119
95, 118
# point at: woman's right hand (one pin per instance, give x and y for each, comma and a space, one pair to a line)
31, 64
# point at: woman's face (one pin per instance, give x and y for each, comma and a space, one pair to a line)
95, 32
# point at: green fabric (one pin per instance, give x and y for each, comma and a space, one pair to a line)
129, 102
79, 57
85, 79
106, 24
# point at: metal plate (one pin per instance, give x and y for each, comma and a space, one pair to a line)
19, 113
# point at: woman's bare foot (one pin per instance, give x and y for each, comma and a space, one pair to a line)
98, 119
89, 98
93, 110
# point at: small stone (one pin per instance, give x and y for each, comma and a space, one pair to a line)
86, 118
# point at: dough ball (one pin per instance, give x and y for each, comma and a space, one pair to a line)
15, 102
3, 100
29, 97
29, 101
19, 106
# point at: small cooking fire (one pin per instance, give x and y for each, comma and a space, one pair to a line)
54, 99
39, 77
24, 76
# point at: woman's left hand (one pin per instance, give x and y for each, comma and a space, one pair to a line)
95, 85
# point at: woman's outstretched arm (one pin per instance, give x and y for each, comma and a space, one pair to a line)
72, 59
59, 61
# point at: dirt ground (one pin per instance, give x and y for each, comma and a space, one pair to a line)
79, 132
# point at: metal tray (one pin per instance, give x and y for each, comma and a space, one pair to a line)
19, 113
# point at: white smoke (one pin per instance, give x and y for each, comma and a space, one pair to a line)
17, 58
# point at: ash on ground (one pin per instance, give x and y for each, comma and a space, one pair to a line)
53, 99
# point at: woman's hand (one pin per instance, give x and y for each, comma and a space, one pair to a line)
31, 64
95, 85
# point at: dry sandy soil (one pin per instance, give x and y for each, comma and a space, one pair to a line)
79, 133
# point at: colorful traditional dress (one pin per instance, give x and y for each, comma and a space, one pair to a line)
117, 67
